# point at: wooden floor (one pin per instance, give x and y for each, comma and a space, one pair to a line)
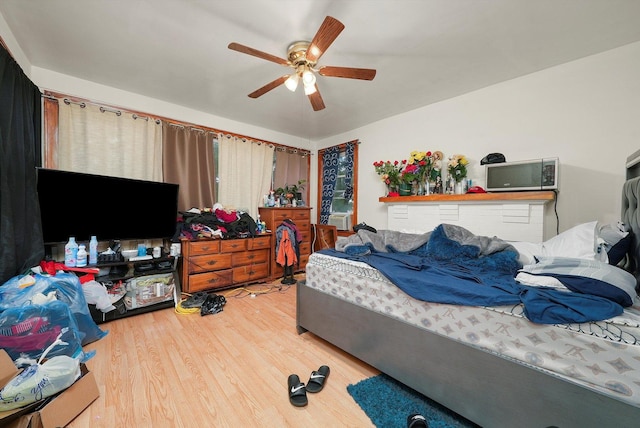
230, 369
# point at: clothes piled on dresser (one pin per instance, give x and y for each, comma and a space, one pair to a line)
215, 222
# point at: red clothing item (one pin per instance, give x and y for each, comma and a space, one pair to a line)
226, 217
286, 254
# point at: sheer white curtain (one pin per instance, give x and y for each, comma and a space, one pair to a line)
291, 167
95, 140
245, 173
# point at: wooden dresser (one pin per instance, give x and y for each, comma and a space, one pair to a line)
273, 217
224, 263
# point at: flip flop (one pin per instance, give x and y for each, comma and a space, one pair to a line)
317, 379
417, 421
297, 391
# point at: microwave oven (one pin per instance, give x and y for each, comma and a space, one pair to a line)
537, 174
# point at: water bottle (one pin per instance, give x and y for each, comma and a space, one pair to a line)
81, 260
93, 251
71, 252
259, 226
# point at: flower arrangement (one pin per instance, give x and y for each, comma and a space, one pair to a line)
457, 167
422, 166
389, 172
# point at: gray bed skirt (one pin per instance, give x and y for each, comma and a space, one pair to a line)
486, 388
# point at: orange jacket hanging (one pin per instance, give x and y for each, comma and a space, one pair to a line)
286, 254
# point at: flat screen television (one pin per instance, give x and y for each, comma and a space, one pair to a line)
82, 205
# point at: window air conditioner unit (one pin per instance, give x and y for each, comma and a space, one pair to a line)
341, 221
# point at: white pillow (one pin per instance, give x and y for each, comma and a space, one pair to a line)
577, 242
527, 251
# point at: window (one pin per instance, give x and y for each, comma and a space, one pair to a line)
337, 185
342, 201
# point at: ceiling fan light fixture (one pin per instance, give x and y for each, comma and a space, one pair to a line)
292, 82
308, 78
309, 88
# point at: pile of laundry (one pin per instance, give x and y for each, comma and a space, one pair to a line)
215, 222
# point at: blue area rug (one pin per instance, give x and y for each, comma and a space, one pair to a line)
388, 403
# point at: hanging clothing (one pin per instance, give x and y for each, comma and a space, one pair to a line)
286, 254
295, 237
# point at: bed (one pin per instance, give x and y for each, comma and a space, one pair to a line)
490, 364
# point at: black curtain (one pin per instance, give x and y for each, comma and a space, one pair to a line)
21, 245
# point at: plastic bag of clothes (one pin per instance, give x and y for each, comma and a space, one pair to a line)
40, 380
23, 290
27, 331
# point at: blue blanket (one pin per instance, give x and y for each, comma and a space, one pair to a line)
446, 271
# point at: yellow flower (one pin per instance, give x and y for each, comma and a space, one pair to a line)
457, 167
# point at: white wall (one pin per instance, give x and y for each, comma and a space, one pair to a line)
586, 112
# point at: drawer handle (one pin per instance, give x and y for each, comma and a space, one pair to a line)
251, 272
214, 280
251, 256
212, 262
205, 248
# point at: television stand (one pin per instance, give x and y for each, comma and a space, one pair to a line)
148, 285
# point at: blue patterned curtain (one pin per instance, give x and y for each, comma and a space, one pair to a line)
350, 155
329, 176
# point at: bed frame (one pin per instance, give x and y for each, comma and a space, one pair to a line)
486, 388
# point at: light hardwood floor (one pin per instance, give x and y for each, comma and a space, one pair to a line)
230, 369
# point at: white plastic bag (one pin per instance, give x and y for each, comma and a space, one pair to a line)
40, 380
97, 294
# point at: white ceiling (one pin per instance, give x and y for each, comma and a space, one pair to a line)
424, 50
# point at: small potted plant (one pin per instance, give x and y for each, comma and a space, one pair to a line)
297, 189
291, 191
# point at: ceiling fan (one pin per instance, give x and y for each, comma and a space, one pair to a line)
303, 56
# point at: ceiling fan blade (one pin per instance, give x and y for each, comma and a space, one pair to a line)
327, 33
269, 86
348, 72
251, 51
316, 100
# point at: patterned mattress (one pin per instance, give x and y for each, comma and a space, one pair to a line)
603, 356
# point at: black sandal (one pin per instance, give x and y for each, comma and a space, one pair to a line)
297, 391
317, 379
417, 421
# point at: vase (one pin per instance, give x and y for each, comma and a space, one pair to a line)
427, 189
405, 189
459, 188
416, 188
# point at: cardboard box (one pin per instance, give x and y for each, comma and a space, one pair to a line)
52, 412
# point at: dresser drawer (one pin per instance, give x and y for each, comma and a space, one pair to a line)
303, 225
253, 272
197, 248
204, 281
233, 245
259, 242
299, 215
305, 247
208, 263
306, 235
280, 215
249, 257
